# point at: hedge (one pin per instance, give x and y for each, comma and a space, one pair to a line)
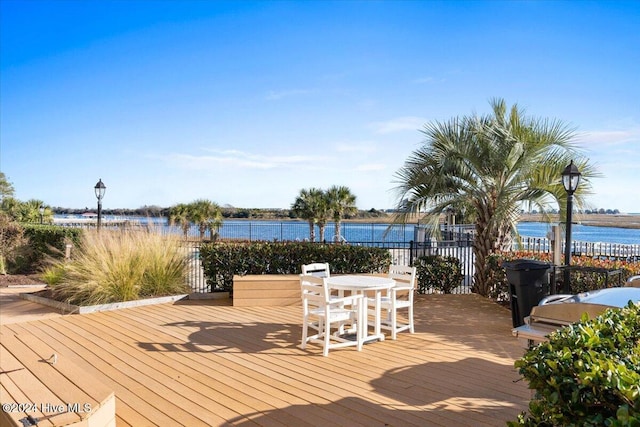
440, 273
222, 260
43, 241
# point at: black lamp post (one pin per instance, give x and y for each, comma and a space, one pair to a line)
570, 181
100, 189
41, 209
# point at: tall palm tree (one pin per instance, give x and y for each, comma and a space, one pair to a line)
311, 205
493, 164
179, 215
206, 215
342, 203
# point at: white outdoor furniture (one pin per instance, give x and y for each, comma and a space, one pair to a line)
399, 297
321, 311
360, 285
318, 269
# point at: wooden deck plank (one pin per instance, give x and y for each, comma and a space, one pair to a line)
166, 317
146, 382
243, 366
286, 369
21, 383
220, 381
80, 372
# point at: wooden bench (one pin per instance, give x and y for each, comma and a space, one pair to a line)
266, 290
29, 372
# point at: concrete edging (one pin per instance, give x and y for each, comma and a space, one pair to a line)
70, 308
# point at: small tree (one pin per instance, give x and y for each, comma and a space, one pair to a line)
179, 215
311, 205
342, 203
206, 215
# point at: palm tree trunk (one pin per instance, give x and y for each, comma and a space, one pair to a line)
482, 247
312, 231
338, 232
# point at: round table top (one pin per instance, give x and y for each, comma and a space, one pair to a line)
360, 282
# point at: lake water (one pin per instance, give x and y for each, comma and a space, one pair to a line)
372, 232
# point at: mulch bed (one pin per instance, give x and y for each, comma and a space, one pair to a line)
7, 280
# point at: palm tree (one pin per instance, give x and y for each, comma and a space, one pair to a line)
30, 210
342, 203
493, 164
311, 206
179, 215
206, 215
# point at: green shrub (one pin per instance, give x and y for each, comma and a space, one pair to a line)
43, 243
440, 273
222, 260
588, 374
114, 266
11, 238
590, 277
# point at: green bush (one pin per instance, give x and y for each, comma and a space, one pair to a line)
440, 273
590, 277
11, 238
43, 243
588, 374
222, 260
115, 266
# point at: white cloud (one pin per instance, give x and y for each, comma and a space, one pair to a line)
398, 124
277, 95
239, 159
610, 137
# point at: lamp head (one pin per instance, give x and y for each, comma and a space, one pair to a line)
100, 189
571, 178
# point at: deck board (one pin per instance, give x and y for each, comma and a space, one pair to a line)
198, 364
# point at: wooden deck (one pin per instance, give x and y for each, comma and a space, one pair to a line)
194, 363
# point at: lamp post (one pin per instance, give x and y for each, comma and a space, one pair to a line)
100, 189
41, 209
570, 181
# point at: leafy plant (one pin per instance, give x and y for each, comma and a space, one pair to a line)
590, 274
222, 260
11, 238
588, 374
441, 273
114, 266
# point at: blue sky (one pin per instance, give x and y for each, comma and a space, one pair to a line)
246, 103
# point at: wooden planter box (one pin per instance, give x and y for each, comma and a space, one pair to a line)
266, 290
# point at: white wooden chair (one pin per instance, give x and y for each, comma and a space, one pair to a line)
398, 298
320, 311
318, 269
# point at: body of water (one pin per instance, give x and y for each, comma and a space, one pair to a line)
374, 232
584, 233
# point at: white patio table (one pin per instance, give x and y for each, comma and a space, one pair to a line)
362, 284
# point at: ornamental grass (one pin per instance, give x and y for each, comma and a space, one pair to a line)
115, 266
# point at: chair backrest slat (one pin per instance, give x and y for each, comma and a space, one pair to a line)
403, 274
317, 269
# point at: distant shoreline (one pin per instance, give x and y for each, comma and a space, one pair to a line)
595, 220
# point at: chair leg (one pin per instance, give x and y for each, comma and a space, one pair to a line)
327, 339
305, 328
394, 323
411, 329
